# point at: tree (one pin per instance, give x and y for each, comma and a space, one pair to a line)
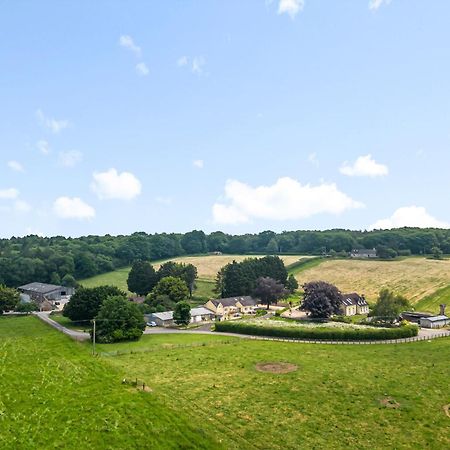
437, 253
389, 305
321, 299
86, 302
291, 284
174, 288
182, 313
194, 242
69, 281
268, 290
186, 272
119, 320
9, 298
26, 307
272, 246
142, 278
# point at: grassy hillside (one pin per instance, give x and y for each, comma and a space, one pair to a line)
207, 267
431, 303
416, 278
55, 395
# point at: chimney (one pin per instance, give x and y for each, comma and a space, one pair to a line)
442, 309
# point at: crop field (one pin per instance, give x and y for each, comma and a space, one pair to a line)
244, 394
207, 267
415, 278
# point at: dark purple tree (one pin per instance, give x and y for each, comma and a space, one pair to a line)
269, 290
321, 299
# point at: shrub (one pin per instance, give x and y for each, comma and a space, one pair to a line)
325, 334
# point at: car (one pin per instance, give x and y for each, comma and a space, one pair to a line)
151, 324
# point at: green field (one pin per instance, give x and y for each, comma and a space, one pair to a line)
432, 302
207, 393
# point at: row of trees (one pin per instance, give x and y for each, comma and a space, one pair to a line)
61, 260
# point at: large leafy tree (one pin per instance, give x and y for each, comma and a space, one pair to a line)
9, 298
86, 302
186, 272
269, 290
182, 313
172, 287
118, 320
321, 299
292, 283
142, 278
389, 305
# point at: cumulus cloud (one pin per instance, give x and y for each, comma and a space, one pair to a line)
409, 216
9, 194
54, 125
142, 69
73, 208
287, 199
114, 185
375, 4
16, 166
364, 166
43, 146
290, 7
127, 42
70, 158
198, 163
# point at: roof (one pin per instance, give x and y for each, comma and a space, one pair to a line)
246, 300
435, 318
41, 288
364, 251
353, 299
168, 315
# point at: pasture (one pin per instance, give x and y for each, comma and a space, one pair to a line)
415, 278
210, 391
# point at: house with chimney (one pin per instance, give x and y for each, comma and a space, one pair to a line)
232, 307
354, 304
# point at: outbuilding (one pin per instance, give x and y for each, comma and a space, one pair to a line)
434, 321
40, 292
165, 319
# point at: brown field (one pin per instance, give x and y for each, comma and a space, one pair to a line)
209, 265
415, 278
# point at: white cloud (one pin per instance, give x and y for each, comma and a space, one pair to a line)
291, 7
73, 208
127, 42
114, 185
54, 125
16, 166
312, 158
43, 147
21, 206
409, 216
164, 200
198, 62
198, 163
9, 194
287, 199
364, 166
182, 61
142, 69
375, 4
70, 158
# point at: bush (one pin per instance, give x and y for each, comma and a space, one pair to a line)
324, 334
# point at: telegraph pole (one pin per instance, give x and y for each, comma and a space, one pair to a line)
93, 340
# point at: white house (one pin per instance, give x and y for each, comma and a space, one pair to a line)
363, 253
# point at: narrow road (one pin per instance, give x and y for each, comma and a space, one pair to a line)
76, 335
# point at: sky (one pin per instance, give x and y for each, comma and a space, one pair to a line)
240, 116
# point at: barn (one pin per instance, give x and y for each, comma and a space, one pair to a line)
40, 292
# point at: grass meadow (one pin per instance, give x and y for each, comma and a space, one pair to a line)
206, 392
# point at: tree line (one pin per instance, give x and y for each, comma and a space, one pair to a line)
61, 260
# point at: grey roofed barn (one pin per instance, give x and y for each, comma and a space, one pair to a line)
231, 301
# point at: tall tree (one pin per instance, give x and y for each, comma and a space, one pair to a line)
142, 278
174, 288
389, 305
9, 298
292, 283
321, 299
182, 313
119, 320
269, 290
86, 302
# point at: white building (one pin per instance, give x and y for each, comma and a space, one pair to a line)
434, 321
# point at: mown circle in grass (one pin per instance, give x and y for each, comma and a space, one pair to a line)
276, 367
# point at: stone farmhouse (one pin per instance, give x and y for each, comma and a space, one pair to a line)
353, 304
232, 307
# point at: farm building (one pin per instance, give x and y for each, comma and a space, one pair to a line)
353, 304
226, 308
434, 321
414, 317
165, 319
40, 292
363, 253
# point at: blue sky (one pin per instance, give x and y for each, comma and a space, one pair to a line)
235, 115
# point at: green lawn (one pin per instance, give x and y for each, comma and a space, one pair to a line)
432, 302
206, 392
65, 321
116, 278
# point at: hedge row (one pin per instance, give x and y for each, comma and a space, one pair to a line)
324, 334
